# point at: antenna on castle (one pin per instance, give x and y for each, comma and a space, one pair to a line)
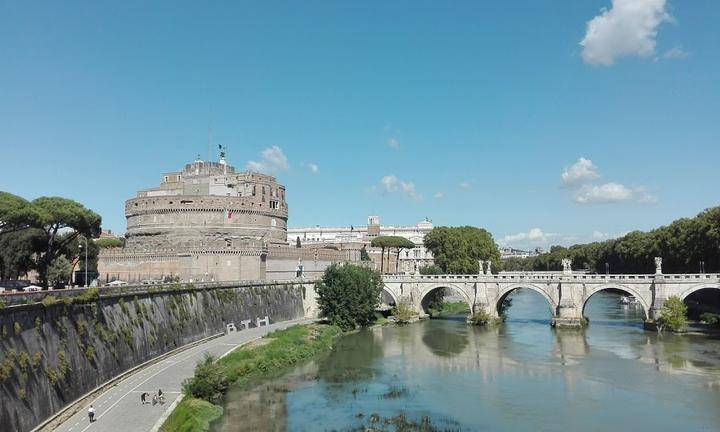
209, 158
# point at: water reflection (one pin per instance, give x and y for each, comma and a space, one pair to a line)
445, 341
522, 375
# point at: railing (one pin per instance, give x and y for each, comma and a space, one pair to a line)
551, 276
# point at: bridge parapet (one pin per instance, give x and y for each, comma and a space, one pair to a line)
552, 277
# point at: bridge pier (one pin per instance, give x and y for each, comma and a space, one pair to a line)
568, 315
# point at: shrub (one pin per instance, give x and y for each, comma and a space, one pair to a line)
710, 318
89, 295
36, 359
348, 295
18, 328
23, 361
49, 300
38, 323
403, 313
480, 317
209, 382
3, 303
673, 314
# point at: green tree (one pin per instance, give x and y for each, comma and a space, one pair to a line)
16, 251
59, 271
458, 249
431, 270
107, 243
400, 243
209, 382
15, 213
348, 295
61, 221
382, 242
673, 314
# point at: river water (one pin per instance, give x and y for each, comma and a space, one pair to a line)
520, 376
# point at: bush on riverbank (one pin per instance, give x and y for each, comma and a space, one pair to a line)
348, 295
673, 315
450, 308
192, 415
209, 382
283, 349
403, 313
480, 317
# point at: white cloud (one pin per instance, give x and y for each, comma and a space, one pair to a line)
313, 168
393, 143
439, 195
409, 189
580, 172
599, 236
465, 185
273, 160
628, 28
675, 53
612, 193
390, 184
535, 235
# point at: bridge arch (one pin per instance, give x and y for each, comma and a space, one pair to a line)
624, 288
387, 290
424, 293
696, 288
505, 291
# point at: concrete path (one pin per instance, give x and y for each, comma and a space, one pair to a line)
118, 409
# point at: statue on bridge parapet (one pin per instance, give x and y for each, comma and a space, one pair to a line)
567, 266
658, 265
481, 264
489, 267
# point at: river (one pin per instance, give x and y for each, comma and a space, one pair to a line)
520, 376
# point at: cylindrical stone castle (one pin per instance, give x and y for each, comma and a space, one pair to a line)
207, 205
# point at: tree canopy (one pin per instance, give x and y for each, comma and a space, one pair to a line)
348, 295
457, 249
50, 224
686, 246
391, 242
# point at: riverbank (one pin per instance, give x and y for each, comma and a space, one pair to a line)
450, 308
263, 359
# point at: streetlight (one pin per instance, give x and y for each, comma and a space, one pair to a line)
86, 262
607, 269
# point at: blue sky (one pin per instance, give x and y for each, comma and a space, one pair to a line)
461, 112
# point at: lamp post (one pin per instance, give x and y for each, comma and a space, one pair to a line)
86, 259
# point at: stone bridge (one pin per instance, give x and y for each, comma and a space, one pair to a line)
566, 292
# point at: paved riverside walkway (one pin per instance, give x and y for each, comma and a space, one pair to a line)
118, 409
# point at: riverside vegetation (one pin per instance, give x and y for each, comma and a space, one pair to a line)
280, 351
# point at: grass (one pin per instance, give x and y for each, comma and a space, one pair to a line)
286, 348
252, 363
451, 308
192, 415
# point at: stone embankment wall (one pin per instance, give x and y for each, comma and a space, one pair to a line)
52, 353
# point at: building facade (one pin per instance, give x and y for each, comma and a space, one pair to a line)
410, 261
208, 222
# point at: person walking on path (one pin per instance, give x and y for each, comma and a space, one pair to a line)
142, 397
91, 414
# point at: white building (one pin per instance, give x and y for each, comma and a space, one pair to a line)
410, 260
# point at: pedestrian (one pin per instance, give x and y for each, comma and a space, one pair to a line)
142, 397
91, 414
155, 400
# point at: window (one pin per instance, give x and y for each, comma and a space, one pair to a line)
273, 204
165, 179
